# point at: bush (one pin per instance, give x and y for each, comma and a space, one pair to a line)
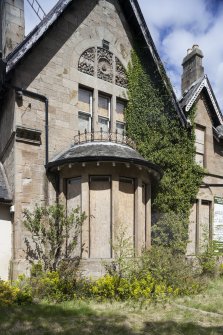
53, 286
174, 270
208, 261
171, 231
120, 289
10, 295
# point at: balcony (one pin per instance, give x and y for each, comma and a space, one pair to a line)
102, 136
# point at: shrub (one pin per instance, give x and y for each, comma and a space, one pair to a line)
10, 295
53, 286
54, 235
138, 289
171, 231
208, 261
174, 270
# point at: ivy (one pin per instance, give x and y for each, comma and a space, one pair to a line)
160, 137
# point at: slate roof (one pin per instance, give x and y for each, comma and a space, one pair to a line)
135, 19
5, 195
202, 84
190, 93
103, 152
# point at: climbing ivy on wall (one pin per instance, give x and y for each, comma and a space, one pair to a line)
160, 137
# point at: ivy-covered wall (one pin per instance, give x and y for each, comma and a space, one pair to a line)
160, 137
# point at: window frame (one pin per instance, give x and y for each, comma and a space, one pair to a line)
85, 113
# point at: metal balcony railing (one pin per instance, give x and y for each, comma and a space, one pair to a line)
102, 136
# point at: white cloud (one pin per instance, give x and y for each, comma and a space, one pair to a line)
175, 26
178, 25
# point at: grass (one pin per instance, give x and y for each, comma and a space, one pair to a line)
183, 316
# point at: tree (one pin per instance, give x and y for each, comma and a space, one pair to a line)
54, 235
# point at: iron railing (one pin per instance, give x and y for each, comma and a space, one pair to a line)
102, 136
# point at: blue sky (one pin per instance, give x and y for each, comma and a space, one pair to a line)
175, 26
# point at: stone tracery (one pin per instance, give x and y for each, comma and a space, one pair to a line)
104, 64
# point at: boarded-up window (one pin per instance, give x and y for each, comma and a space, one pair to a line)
74, 201
126, 205
204, 224
143, 215
199, 144
100, 217
193, 243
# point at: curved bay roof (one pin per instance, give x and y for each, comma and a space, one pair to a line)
103, 152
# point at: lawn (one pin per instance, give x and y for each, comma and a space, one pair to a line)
202, 314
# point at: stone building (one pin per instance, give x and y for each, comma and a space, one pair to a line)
206, 220
63, 90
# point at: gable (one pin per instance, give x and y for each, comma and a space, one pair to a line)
202, 89
133, 18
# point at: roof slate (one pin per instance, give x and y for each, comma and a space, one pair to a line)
190, 92
5, 194
202, 84
101, 151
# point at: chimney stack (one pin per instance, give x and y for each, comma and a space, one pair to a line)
192, 67
12, 25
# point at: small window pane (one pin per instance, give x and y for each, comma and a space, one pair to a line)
120, 106
85, 98
103, 105
120, 127
84, 122
103, 102
103, 123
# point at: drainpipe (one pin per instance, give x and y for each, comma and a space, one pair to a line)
45, 100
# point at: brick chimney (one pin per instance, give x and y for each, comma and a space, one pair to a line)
12, 25
192, 67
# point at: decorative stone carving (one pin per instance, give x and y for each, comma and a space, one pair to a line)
109, 68
105, 65
120, 74
87, 61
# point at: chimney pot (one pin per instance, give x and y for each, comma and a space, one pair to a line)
189, 51
192, 67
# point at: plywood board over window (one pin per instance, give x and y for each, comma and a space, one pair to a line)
74, 201
204, 224
126, 205
100, 217
193, 230
200, 145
